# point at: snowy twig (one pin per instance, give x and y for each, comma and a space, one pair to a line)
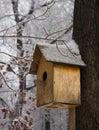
34, 37
50, 34
6, 82
26, 21
16, 57
68, 48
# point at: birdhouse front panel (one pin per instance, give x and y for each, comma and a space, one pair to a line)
44, 82
66, 84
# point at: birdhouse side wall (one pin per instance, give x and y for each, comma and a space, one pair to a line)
45, 82
66, 84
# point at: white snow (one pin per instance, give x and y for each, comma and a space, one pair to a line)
73, 46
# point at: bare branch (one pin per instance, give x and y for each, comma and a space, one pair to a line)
68, 49
26, 21
6, 82
60, 50
30, 13
47, 3
29, 88
15, 57
3, 102
31, 8
15, 9
46, 31
3, 63
68, 29
7, 54
50, 34
34, 37
9, 15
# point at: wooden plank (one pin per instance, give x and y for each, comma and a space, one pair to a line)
44, 83
72, 118
66, 84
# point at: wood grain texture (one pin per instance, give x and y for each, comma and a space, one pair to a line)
44, 88
72, 119
66, 84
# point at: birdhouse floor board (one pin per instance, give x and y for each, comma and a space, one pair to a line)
57, 105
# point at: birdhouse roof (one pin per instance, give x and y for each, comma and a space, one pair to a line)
56, 54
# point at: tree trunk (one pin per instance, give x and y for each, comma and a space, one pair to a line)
22, 78
86, 34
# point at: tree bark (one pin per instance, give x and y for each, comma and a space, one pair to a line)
20, 48
86, 34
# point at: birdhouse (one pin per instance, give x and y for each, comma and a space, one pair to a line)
58, 76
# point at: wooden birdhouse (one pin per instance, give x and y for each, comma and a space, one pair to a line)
58, 76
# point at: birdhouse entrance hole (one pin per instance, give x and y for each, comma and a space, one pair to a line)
44, 76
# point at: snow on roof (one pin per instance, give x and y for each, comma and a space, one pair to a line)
57, 54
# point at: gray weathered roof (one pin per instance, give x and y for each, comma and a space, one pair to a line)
51, 53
